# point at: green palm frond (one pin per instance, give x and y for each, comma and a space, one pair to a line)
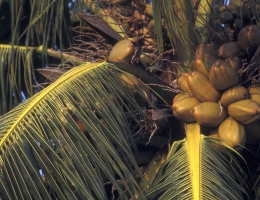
35, 23
17, 76
158, 22
42, 136
196, 169
186, 23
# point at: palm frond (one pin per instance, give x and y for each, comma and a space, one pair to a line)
196, 169
44, 153
158, 23
17, 76
30, 23
186, 23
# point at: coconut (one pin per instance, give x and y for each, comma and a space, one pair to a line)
182, 82
255, 93
230, 49
203, 63
232, 133
182, 106
222, 75
233, 95
209, 114
123, 51
245, 111
201, 88
249, 39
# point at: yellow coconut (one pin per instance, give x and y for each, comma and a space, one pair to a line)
182, 106
255, 93
245, 111
233, 95
182, 82
203, 63
222, 75
209, 114
123, 51
201, 88
232, 133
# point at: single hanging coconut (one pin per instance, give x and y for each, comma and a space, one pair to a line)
233, 95
182, 106
209, 114
182, 82
201, 88
245, 111
123, 51
222, 75
232, 133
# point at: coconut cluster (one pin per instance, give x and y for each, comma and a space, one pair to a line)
213, 94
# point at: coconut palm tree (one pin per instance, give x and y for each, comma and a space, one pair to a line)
80, 133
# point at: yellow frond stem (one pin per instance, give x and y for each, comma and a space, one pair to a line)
193, 137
